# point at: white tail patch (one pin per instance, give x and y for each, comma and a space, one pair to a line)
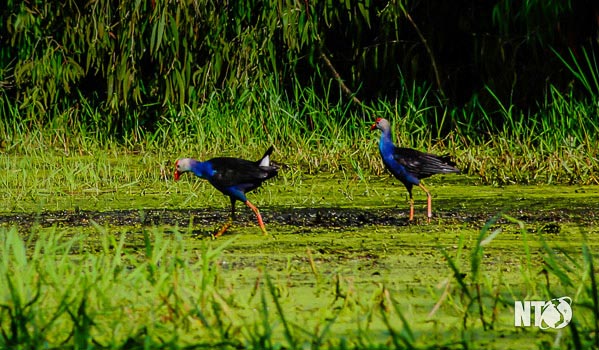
265, 161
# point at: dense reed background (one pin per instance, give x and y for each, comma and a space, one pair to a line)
510, 89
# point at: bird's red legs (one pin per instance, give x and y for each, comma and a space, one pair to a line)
258, 216
429, 202
411, 207
229, 222
224, 228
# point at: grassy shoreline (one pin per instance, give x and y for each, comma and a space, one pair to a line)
311, 135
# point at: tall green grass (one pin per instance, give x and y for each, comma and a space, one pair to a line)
312, 135
480, 297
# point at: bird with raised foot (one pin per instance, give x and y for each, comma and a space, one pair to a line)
409, 165
234, 177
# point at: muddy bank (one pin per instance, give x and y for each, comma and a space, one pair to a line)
300, 217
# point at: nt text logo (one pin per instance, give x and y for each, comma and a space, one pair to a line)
555, 313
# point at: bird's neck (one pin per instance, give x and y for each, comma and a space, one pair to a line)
202, 169
386, 143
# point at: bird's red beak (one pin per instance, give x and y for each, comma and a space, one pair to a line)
177, 173
373, 127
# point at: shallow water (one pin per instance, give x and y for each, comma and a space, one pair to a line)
312, 201
338, 230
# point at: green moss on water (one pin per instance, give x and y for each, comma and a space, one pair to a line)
346, 274
334, 277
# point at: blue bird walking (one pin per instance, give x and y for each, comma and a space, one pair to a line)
233, 177
409, 165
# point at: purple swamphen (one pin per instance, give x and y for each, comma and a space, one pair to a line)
409, 165
233, 177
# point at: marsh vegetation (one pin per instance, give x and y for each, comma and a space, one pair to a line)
132, 264
101, 249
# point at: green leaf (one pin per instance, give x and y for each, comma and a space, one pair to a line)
160, 30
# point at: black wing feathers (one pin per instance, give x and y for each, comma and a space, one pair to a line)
235, 171
423, 165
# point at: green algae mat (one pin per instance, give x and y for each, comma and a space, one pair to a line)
103, 263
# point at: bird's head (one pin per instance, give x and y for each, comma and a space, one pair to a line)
381, 124
182, 165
